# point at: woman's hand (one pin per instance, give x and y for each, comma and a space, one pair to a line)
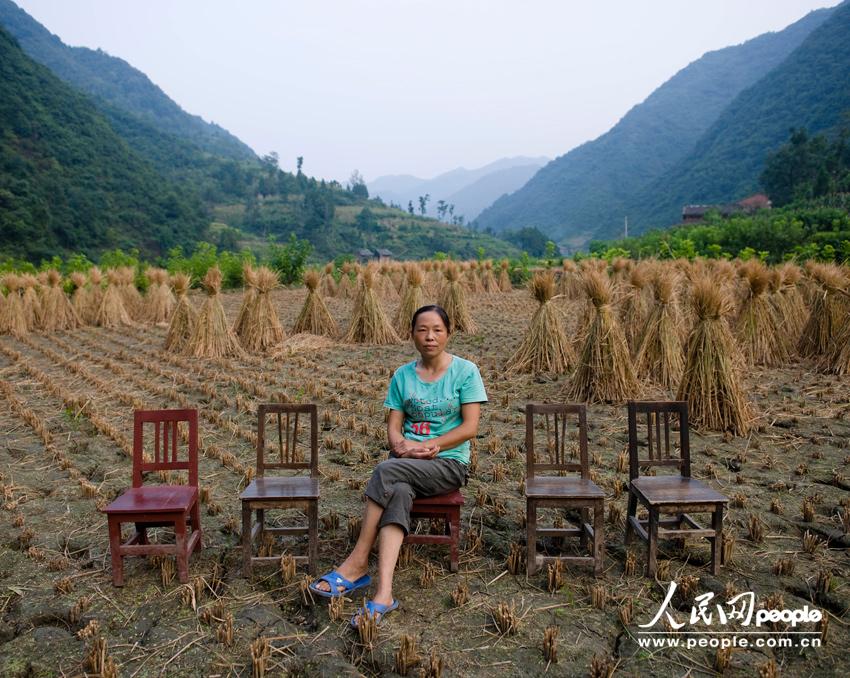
412, 449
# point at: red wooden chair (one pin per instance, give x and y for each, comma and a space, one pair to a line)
158, 505
283, 492
445, 506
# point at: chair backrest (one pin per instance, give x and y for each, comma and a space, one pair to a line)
659, 448
560, 420
287, 454
164, 450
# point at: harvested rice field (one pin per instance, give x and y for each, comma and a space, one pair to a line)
65, 450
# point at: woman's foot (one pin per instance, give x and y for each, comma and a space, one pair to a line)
348, 570
383, 600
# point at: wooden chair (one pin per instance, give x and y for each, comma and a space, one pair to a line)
282, 492
158, 505
561, 491
668, 494
445, 506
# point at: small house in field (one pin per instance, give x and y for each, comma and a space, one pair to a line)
365, 255
696, 213
384, 255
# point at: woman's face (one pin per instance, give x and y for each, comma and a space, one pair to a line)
429, 334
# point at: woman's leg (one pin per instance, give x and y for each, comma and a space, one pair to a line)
357, 562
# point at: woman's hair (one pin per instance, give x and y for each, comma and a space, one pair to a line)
439, 310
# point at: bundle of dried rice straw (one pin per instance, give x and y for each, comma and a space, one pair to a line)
826, 311
369, 323
249, 293
31, 301
159, 301
111, 312
315, 318
790, 306
12, 318
759, 325
488, 280
344, 288
505, 284
471, 278
130, 295
711, 381
95, 295
413, 298
660, 355
328, 284
453, 300
80, 297
57, 311
636, 305
212, 338
184, 318
545, 347
569, 285
605, 372
262, 329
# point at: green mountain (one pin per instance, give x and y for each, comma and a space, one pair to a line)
68, 182
810, 89
587, 192
113, 83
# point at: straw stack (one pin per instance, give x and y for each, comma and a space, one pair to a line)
13, 318
112, 312
545, 347
413, 299
262, 329
159, 301
212, 338
488, 280
184, 318
369, 323
605, 372
58, 313
315, 318
505, 284
80, 297
660, 355
31, 301
758, 326
95, 295
711, 382
453, 300
133, 302
569, 285
344, 288
249, 293
826, 311
328, 284
636, 306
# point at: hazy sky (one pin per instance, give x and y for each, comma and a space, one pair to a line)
411, 86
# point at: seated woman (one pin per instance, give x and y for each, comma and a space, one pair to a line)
435, 405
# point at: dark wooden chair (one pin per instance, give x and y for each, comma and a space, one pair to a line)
444, 506
283, 492
668, 494
562, 491
158, 505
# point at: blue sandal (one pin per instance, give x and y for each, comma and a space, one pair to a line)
335, 580
375, 609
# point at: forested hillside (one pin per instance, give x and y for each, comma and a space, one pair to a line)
587, 192
811, 89
112, 82
68, 181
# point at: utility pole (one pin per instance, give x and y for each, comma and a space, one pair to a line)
626, 227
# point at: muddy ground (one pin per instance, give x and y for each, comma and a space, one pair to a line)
66, 427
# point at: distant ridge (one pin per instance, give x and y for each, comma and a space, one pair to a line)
585, 193
116, 83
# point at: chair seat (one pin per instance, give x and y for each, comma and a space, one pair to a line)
556, 487
675, 490
281, 487
154, 499
453, 498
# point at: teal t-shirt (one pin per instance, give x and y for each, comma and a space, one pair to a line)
433, 408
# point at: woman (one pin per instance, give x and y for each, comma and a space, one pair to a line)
435, 406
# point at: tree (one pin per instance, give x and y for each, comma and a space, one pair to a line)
358, 185
299, 163
423, 203
410, 206
442, 206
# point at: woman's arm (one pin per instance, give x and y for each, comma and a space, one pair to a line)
471, 414
401, 446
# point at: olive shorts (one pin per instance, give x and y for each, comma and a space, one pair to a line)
396, 482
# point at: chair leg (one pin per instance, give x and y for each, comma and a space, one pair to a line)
531, 538
598, 538
717, 540
652, 547
313, 537
453, 522
196, 525
630, 512
143, 533
182, 550
585, 520
261, 521
247, 545
115, 551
